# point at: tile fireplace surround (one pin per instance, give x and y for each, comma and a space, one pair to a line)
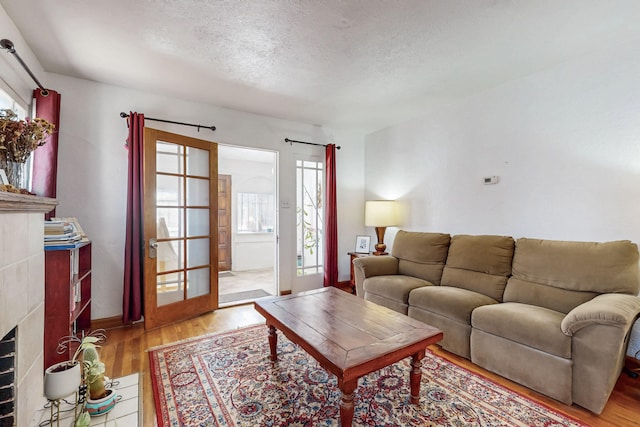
22, 293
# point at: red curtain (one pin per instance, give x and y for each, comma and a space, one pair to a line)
331, 220
45, 158
132, 301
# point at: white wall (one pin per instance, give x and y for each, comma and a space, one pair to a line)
92, 173
565, 143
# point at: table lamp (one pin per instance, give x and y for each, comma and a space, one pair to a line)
380, 214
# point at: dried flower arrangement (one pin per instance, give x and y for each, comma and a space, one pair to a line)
18, 138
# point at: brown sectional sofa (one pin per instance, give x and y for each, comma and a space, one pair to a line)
554, 316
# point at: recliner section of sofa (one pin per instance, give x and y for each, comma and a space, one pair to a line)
418, 261
475, 274
554, 316
551, 279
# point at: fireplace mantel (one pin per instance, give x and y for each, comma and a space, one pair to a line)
13, 202
22, 306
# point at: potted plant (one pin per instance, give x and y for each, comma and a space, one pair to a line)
93, 373
101, 399
64, 378
18, 139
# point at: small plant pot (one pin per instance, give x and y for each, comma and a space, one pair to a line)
101, 406
61, 380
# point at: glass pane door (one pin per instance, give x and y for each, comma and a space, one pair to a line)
179, 185
182, 218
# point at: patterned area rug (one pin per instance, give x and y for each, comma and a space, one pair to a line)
228, 380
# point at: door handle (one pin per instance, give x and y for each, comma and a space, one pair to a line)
153, 246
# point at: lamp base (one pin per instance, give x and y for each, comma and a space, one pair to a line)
380, 246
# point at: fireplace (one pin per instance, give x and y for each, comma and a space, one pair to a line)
7, 379
22, 303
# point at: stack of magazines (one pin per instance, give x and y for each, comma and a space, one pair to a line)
61, 235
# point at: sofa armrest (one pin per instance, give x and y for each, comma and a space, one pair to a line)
606, 309
373, 266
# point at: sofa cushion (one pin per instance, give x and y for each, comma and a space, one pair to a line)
533, 326
453, 303
561, 275
421, 255
479, 263
579, 266
558, 299
394, 287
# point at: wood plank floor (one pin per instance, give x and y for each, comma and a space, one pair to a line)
125, 353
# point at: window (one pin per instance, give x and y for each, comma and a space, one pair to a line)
309, 209
7, 102
255, 213
19, 174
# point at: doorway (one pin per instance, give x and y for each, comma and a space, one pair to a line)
251, 256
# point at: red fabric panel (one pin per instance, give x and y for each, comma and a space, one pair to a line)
331, 220
132, 300
45, 158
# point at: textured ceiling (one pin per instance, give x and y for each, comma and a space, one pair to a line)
348, 63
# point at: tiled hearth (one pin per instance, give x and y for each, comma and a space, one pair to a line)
22, 294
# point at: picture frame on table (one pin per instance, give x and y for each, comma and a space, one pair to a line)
363, 244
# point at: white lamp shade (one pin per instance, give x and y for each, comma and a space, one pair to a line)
380, 213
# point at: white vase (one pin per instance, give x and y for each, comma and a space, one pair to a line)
62, 380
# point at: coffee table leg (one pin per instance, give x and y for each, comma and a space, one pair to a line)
416, 376
346, 402
273, 343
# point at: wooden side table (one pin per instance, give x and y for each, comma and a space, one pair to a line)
353, 256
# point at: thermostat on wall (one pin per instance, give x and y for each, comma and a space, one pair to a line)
491, 180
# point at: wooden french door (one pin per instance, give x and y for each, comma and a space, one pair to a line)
180, 227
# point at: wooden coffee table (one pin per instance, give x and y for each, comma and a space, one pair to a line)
348, 336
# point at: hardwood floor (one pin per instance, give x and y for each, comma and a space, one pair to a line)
125, 353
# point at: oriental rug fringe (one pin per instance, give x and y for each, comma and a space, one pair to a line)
227, 379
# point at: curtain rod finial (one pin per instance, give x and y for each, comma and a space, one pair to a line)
124, 115
7, 44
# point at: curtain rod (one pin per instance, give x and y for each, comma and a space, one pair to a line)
8, 44
308, 143
125, 115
